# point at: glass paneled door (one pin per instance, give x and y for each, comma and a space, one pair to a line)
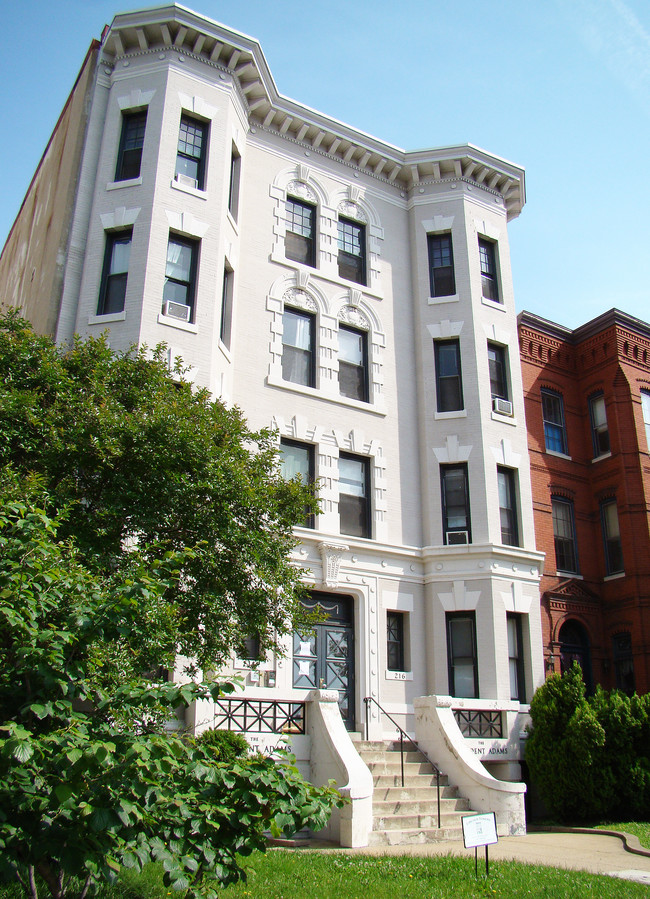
323, 655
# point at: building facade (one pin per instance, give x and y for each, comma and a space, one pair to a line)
587, 395
353, 296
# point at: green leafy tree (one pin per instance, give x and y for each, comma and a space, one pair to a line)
88, 782
137, 456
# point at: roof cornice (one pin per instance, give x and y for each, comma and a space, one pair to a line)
178, 29
611, 318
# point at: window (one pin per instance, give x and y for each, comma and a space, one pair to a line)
225, 327
180, 278
251, 648
564, 534
441, 265
456, 527
233, 187
489, 281
508, 506
611, 537
623, 662
129, 156
299, 241
353, 363
462, 655
298, 363
645, 405
354, 492
190, 157
449, 385
395, 641
599, 430
297, 461
554, 427
115, 273
352, 251
515, 657
498, 371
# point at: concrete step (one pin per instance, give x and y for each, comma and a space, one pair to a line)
415, 822
419, 807
394, 767
378, 755
398, 793
384, 781
411, 836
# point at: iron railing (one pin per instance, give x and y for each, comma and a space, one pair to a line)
481, 723
402, 735
266, 716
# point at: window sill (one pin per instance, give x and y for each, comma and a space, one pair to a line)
504, 419
614, 577
233, 221
450, 298
130, 182
107, 319
442, 416
372, 408
493, 304
225, 351
186, 189
607, 455
174, 323
398, 675
559, 455
559, 572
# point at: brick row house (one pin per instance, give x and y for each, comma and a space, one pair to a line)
588, 414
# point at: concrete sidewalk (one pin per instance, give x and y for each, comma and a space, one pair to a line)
601, 852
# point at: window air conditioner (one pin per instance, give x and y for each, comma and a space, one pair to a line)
177, 310
503, 407
186, 180
457, 538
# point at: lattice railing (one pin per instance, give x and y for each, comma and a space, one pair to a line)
480, 723
264, 716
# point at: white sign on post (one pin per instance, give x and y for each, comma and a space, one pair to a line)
479, 830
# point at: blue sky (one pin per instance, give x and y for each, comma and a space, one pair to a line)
561, 87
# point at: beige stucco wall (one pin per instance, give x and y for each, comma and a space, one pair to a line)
33, 259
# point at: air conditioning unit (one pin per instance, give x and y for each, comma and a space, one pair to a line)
503, 407
177, 310
186, 180
457, 538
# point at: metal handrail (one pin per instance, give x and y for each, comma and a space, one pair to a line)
402, 733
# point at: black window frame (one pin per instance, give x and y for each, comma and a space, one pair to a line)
498, 368
566, 544
442, 278
309, 450
553, 426
599, 430
489, 269
355, 385
351, 266
450, 618
510, 535
190, 283
290, 351
129, 158
234, 183
448, 471
113, 238
225, 321
200, 127
612, 544
444, 400
395, 641
298, 246
516, 659
357, 523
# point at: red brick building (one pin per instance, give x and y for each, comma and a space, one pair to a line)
587, 399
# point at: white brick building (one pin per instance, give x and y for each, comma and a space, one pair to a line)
357, 298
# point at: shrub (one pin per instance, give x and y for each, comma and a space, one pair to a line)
224, 745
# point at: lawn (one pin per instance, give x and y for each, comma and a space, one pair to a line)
307, 874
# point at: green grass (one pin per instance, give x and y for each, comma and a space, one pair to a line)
640, 829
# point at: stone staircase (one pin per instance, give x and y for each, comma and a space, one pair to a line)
409, 813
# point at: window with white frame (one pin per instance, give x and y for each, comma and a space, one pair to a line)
441, 265
300, 235
352, 250
180, 278
115, 273
508, 513
191, 152
353, 363
129, 154
645, 406
456, 527
298, 347
564, 535
554, 427
489, 274
611, 537
462, 655
297, 461
599, 429
354, 495
449, 383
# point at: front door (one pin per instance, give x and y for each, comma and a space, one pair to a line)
323, 656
